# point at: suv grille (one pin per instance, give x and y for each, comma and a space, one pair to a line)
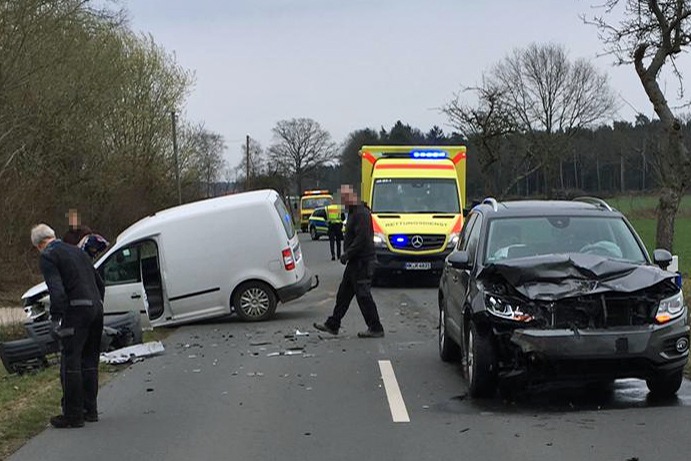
601, 311
417, 242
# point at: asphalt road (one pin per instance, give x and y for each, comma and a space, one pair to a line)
221, 392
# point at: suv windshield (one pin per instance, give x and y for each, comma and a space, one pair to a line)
510, 238
415, 196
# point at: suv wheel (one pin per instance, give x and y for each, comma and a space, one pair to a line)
254, 301
480, 364
313, 233
448, 349
665, 385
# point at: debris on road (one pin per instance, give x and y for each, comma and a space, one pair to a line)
133, 353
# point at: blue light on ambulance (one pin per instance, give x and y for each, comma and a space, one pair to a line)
399, 240
428, 154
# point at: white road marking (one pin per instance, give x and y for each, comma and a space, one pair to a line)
393, 393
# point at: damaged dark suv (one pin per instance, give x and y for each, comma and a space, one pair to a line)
540, 291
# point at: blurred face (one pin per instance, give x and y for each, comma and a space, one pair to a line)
348, 195
72, 217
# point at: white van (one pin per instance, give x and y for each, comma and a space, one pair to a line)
238, 253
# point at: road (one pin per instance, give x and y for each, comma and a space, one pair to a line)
221, 392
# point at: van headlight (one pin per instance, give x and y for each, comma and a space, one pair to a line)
506, 309
453, 240
670, 308
379, 240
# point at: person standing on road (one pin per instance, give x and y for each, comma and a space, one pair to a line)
359, 257
76, 310
335, 218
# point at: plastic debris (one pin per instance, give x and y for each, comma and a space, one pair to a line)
133, 353
301, 333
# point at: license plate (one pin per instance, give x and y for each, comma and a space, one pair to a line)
418, 266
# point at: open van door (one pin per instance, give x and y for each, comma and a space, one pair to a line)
133, 282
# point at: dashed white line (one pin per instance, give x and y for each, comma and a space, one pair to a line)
399, 414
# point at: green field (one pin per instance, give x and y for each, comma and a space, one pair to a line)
640, 210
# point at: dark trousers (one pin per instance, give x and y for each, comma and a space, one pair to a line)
356, 282
79, 360
335, 239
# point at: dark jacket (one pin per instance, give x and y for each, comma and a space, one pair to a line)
358, 243
75, 234
72, 280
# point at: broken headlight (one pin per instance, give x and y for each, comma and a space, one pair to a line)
507, 309
670, 308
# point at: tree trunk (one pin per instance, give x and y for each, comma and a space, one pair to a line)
597, 170
666, 214
621, 173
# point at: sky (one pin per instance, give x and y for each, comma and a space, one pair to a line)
353, 64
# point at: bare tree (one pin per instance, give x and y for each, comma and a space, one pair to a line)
651, 34
550, 99
301, 145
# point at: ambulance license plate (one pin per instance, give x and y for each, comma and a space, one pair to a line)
424, 266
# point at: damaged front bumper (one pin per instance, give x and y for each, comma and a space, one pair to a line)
594, 354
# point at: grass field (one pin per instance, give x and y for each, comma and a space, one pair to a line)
640, 210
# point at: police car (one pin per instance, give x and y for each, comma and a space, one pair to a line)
318, 224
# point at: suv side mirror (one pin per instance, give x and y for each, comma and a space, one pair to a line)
459, 260
662, 258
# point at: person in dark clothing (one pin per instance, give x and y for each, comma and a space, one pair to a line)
76, 231
335, 218
76, 310
359, 258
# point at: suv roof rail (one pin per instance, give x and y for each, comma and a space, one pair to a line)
594, 201
491, 201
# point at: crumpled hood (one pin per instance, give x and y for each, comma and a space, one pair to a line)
553, 277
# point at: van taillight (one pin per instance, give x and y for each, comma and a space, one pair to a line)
288, 260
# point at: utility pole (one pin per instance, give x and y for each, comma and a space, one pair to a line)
247, 153
175, 154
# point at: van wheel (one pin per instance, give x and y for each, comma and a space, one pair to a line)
313, 233
254, 301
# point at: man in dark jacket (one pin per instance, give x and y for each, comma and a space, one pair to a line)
76, 310
76, 231
359, 257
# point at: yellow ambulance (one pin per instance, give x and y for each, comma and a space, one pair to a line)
417, 195
310, 200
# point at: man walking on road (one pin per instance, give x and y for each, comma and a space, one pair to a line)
76, 310
358, 256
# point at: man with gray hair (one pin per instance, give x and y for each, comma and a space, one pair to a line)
76, 310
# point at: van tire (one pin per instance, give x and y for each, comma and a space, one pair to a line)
254, 301
313, 233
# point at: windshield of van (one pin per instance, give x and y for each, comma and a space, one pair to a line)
311, 203
415, 195
286, 219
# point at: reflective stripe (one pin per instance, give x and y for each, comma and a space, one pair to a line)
81, 302
334, 214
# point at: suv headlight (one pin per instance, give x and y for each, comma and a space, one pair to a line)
453, 240
506, 309
379, 240
670, 308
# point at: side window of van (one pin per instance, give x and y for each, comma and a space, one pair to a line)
122, 267
286, 219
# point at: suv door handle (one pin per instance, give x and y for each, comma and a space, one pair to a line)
135, 296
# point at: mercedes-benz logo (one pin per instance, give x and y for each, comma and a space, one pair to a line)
416, 241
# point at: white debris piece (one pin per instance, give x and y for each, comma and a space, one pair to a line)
130, 353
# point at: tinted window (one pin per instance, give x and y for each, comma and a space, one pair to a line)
311, 203
465, 233
321, 213
285, 217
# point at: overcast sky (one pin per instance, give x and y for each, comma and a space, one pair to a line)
351, 64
